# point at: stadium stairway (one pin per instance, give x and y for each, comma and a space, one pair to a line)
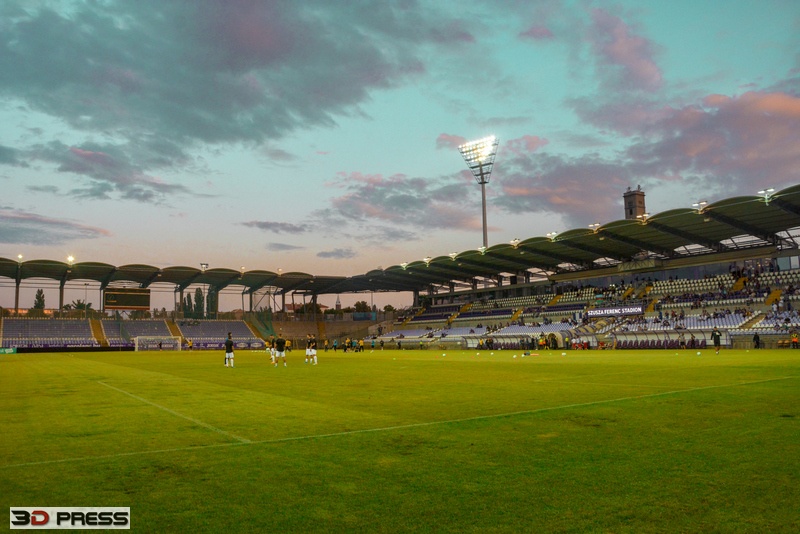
261, 323
751, 321
644, 291
773, 297
321, 332
97, 332
408, 319
628, 292
461, 310
257, 328
254, 330
175, 331
739, 284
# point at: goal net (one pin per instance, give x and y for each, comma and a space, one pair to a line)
157, 343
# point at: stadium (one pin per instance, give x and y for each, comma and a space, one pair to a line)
516, 368
248, 284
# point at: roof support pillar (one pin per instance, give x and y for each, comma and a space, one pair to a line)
16, 297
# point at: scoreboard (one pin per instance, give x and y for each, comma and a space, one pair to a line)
126, 299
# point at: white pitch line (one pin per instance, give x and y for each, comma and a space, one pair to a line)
173, 412
380, 429
522, 412
651, 386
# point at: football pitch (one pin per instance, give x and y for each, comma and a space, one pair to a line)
409, 441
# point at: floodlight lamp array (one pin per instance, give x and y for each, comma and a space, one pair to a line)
479, 156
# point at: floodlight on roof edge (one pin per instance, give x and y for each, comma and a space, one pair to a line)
479, 156
767, 194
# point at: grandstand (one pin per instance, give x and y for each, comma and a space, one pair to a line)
688, 309
212, 334
740, 305
46, 333
732, 264
115, 334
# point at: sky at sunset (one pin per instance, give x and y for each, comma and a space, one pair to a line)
322, 137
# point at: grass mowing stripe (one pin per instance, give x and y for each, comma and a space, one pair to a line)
243, 442
173, 412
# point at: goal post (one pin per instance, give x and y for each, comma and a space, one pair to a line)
142, 343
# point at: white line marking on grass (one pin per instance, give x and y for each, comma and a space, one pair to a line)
523, 412
173, 412
608, 384
381, 429
615, 373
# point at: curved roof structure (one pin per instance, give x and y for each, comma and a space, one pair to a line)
757, 223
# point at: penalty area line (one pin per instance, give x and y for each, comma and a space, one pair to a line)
242, 442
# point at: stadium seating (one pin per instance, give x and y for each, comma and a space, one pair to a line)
44, 333
206, 331
123, 333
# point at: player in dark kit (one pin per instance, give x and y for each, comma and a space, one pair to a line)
280, 349
716, 338
229, 351
313, 349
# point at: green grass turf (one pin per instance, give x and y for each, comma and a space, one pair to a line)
387, 441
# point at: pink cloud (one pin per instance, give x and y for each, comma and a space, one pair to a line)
453, 32
627, 117
18, 226
723, 145
755, 103
403, 200
616, 44
553, 183
250, 32
537, 33
448, 141
525, 144
749, 141
86, 159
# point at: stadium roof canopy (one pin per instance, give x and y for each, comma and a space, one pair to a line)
708, 233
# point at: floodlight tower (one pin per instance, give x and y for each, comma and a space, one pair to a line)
203, 267
479, 156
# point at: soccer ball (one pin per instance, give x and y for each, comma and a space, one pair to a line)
515, 355
563, 353
698, 354
443, 355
